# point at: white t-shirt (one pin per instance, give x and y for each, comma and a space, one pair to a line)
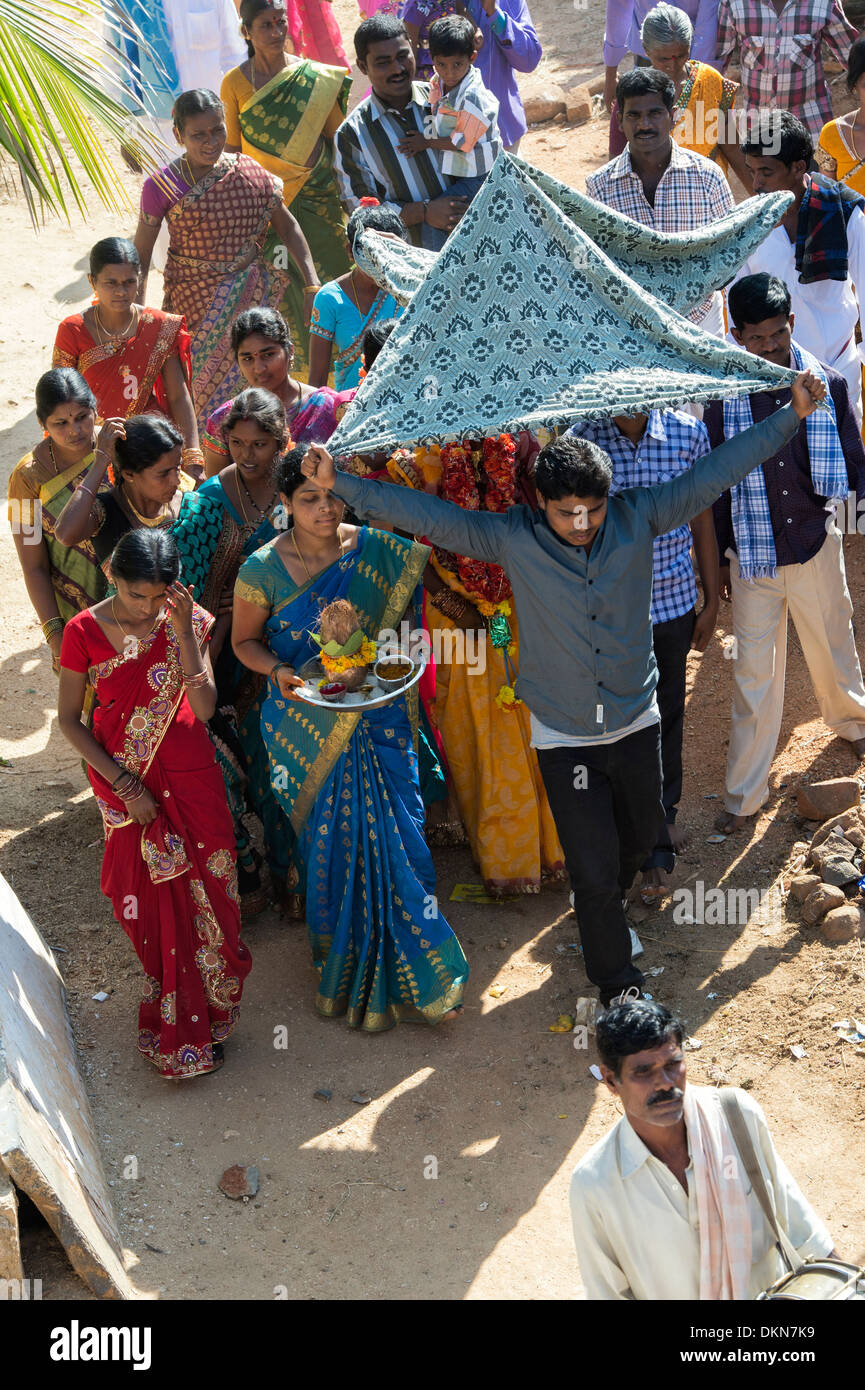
545, 737
206, 40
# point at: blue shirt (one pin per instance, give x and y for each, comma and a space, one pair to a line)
671, 444
586, 661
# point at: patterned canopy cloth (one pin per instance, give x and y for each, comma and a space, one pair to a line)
679, 268
524, 323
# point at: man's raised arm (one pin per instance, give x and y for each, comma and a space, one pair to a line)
677, 502
480, 535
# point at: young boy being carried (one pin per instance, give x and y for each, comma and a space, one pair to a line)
464, 113
581, 572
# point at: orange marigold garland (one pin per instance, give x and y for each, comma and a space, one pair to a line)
479, 478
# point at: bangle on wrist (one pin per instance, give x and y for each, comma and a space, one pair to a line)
311, 289
51, 626
83, 488
424, 205
271, 675
197, 679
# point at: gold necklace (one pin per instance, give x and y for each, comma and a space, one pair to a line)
184, 159
147, 520
104, 334
123, 629
303, 562
55, 465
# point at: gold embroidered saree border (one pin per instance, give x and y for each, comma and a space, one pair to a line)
325, 91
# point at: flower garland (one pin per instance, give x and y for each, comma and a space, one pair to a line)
364, 656
482, 478
463, 472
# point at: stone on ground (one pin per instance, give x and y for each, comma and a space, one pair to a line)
821, 901
821, 800
843, 924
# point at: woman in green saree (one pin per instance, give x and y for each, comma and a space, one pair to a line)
60, 579
284, 112
347, 779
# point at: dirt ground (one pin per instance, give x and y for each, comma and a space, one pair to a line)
452, 1182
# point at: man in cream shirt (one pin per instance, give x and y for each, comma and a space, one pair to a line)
662, 1208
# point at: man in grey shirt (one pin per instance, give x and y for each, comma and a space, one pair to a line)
581, 573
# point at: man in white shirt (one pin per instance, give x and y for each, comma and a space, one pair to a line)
205, 37
661, 1207
818, 247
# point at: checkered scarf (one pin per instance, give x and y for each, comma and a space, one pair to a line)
722, 1204
752, 521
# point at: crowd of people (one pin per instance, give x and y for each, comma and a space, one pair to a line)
182, 528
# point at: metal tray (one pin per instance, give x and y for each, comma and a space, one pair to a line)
313, 671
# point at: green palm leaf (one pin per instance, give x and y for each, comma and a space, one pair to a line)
62, 92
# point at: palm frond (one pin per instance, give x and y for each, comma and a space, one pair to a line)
64, 87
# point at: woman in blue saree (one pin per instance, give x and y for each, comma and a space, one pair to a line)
218, 527
348, 780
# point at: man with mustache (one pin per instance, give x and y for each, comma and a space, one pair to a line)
370, 161
656, 181
662, 1207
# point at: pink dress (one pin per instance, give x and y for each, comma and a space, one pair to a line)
370, 7
314, 32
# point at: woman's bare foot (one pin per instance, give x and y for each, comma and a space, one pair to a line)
728, 823
858, 746
452, 1013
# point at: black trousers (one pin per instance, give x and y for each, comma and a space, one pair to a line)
606, 802
672, 642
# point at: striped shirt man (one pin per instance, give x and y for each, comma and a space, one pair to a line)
368, 164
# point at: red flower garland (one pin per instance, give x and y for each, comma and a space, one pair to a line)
464, 474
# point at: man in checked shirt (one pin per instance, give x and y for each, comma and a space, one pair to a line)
781, 54
656, 181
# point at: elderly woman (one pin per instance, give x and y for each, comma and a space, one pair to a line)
704, 99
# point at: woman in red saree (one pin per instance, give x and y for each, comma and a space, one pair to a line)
134, 359
169, 864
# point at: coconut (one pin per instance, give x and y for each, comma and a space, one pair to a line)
339, 622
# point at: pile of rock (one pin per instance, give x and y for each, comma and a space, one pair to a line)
827, 886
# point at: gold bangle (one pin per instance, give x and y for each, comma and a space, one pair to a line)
311, 289
191, 453
52, 625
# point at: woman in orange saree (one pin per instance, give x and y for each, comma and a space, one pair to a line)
219, 208
169, 865
284, 112
134, 359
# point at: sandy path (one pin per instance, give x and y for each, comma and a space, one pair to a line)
503, 1106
